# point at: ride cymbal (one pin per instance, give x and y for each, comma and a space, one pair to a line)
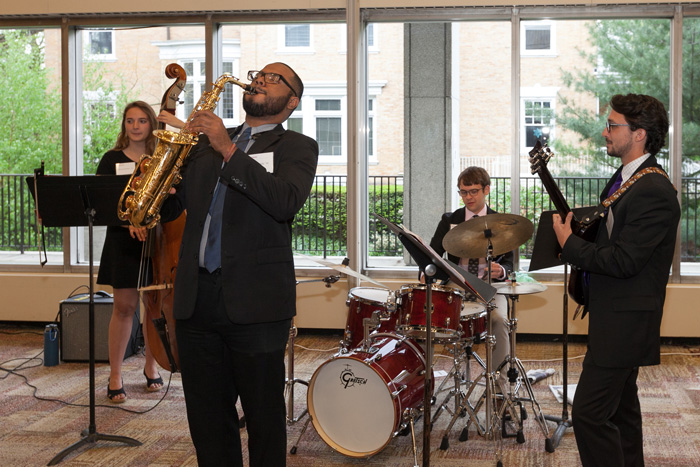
470, 239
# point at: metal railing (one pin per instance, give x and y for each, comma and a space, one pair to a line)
320, 228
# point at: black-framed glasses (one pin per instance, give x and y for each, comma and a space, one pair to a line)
270, 78
609, 125
472, 192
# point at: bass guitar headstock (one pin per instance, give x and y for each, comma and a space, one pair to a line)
539, 156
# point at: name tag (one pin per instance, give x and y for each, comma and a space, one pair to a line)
125, 168
266, 159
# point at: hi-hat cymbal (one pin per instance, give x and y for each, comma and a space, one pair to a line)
519, 288
470, 238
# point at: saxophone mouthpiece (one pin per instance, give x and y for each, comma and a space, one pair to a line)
250, 89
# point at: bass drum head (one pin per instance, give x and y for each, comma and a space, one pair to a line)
351, 407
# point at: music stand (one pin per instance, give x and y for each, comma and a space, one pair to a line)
546, 254
434, 267
88, 200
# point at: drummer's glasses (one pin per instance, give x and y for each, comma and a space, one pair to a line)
472, 192
270, 78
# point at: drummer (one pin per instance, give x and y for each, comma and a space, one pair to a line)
474, 185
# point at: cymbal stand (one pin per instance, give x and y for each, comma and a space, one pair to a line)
517, 377
563, 422
290, 380
491, 427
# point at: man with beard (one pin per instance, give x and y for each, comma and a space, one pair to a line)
627, 268
235, 290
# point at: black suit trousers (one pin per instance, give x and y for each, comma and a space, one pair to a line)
222, 361
607, 418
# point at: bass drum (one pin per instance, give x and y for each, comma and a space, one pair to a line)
357, 400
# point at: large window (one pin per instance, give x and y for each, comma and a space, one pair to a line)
690, 167
30, 118
435, 103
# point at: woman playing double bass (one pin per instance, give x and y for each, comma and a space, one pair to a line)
121, 255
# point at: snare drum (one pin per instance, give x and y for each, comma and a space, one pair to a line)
362, 302
473, 322
447, 305
357, 400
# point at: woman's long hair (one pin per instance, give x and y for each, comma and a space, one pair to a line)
123, 138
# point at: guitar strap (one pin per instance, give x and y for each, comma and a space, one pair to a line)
599, 211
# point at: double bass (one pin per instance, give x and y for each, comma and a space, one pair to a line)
163, 246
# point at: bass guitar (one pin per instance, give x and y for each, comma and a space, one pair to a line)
585, 228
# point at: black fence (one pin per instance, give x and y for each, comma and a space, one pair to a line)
320, 228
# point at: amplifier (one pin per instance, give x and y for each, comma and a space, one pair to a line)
75, 326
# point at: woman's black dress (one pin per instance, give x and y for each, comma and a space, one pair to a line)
121, 254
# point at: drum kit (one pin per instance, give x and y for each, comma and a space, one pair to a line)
376, 386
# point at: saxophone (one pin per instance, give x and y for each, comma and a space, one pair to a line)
143, 196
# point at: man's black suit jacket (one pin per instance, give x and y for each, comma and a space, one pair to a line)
457, 217
257, 264
629, 272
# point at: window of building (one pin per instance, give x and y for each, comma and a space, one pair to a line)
537, 38
196, 84
99, 44
295, 38
538, 120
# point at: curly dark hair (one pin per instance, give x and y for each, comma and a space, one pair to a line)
641, 111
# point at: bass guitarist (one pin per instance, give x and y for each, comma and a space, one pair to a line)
628, 265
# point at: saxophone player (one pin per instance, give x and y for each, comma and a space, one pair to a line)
235, 286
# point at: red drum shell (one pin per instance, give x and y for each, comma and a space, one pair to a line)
356, 400
473, 322
447, 305
362, 302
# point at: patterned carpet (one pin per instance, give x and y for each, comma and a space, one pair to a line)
35, 427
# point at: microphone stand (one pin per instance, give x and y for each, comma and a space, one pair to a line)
563, 422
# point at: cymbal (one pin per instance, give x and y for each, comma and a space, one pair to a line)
468, 239
519, 288
344, 269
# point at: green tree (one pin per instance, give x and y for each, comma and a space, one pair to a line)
621, 63
31, 105
102, 113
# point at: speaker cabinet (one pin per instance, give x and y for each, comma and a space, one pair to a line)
75, 326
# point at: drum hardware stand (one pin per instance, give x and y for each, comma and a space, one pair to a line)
462, 352
290, 380
563, 422
516, 380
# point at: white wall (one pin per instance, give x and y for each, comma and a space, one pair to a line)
36, 297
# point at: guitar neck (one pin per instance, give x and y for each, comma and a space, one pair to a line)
554, 193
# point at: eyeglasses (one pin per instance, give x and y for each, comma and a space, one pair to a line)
609, 125
472, 192
270, 78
